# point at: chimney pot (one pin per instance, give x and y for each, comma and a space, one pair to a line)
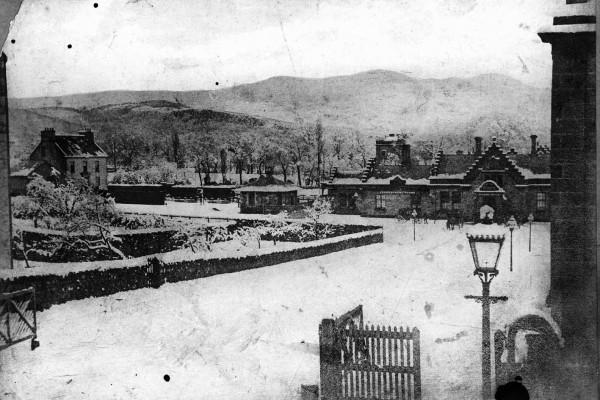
48, 134
533, 144
478, 145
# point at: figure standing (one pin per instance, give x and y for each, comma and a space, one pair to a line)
512, 390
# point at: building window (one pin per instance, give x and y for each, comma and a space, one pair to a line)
251, 200
379, 201
98, 180
72, 167
97, 166
456, 200
85, 170
445, 200
540, 201
498, 178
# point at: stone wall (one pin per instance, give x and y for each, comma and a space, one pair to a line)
57, 288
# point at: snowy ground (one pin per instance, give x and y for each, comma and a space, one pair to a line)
254, 334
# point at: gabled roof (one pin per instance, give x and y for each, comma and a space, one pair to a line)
539, 164
78, 146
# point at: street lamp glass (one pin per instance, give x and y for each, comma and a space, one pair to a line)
486, 251
512, 223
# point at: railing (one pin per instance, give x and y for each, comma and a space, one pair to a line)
17, 318
362, 362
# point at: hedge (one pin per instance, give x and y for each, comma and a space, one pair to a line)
58, 288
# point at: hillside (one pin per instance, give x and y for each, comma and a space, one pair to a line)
374, 103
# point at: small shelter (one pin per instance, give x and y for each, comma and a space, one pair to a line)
268, 195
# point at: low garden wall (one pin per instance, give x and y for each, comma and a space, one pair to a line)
56, 284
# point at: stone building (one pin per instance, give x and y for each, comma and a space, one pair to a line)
267, 195
573, 287
73, 155
455, 184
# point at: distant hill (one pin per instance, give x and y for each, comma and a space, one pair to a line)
374, 103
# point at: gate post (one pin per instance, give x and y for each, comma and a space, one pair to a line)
328, 360
155, 272
417, 361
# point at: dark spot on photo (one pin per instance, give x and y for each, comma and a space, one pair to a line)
69, 46
95, 5
13, 41
167, 378
216, 83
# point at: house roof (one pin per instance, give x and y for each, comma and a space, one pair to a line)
268, 184
78, 146
269, 189
42, 168
539, 164
449, 169
453, 164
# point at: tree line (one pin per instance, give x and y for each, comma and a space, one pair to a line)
304, 152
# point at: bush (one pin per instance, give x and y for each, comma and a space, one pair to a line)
23, 207
148, 176
132, 221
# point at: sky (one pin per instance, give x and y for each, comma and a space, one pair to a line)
195, 44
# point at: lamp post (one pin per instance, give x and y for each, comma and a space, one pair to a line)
414, 217
486, 252
530, 219
512, 224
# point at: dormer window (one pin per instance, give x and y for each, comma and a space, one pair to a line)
72, 167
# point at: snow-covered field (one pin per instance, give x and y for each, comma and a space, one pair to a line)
254, 334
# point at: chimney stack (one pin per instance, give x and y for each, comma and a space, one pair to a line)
406, 155
478, 140
533, 145
48, 134
88, 134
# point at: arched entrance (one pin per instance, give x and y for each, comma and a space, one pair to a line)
530, 348
490, 195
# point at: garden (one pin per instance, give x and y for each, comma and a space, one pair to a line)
70, 222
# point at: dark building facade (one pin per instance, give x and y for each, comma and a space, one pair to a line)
573, 292
458, 184
73, 156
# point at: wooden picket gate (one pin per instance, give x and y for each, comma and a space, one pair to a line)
362, 362
17, 318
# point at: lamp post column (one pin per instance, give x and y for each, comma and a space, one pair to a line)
511, 263
530, 236
486, 373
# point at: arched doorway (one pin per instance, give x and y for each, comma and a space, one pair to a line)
490, 195
530, 348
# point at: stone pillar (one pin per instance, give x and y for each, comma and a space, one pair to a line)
573, 297
5, 215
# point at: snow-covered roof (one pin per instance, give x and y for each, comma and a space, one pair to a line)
78, 146
22, 172
269, 189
